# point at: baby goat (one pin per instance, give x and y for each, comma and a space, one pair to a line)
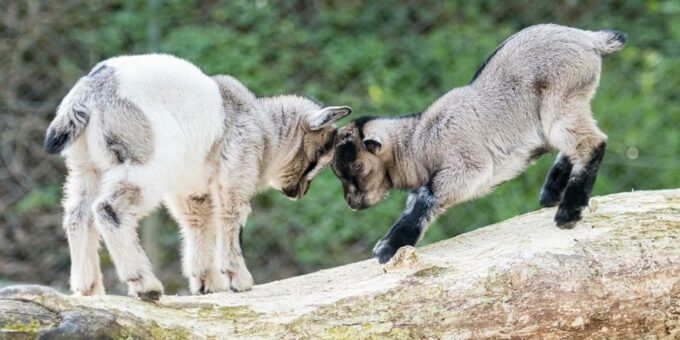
530, 96
139, 130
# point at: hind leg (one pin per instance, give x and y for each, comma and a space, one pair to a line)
83, 239
117, 211
556, 181
194, 215
584, 144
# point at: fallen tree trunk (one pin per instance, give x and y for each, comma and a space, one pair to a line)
617, 274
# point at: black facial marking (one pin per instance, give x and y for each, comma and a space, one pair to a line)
409, 227
240, 238
345, 155
486, 62
309, 169
555, 182
110, 215
578, 190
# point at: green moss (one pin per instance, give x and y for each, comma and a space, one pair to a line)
429, 272
32, 328
158, 332
228, 313
402, 312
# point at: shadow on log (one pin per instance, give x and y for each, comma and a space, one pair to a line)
617, 274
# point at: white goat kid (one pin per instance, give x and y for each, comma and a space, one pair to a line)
138, 130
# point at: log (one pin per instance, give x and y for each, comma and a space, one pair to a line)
616, 275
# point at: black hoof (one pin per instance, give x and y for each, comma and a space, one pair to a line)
567, 225
152, 295
384, 251
566, 219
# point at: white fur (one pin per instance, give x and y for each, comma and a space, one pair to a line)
152, 128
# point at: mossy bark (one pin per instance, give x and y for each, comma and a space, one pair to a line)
617, 274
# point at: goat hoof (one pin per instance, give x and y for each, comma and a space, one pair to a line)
213, 282
384, 251
241, 281
145, 288
566, 219
568, 225
94, 289
152, 295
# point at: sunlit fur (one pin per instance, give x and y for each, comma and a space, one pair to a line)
141, 130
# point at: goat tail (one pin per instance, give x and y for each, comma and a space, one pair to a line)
73, 114
608, 41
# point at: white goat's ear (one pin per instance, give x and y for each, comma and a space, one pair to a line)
326, 116
372, 144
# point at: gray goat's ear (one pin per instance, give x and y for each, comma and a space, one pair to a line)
372, 144
326, 116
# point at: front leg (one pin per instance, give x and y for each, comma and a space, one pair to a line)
232, 215
411, 225
194, 213
448, 186
232, 189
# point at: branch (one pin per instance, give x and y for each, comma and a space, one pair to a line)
617, 274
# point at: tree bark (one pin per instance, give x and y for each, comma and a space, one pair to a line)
616, 275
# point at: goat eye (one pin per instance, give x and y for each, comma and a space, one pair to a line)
319, 152
358, 167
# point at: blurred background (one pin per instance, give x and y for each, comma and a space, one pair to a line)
380, 57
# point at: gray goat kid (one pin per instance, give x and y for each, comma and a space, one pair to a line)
139, 130
530, 96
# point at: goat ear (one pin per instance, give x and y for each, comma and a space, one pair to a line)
326, 116
372, 144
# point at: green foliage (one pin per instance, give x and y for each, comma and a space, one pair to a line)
388, 58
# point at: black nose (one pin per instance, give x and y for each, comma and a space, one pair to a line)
291, 191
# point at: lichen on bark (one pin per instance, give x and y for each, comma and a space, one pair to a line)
617, 274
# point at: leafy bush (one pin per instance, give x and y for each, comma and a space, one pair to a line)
382, 58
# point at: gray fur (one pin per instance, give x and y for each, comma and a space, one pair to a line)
533, 95
127, 133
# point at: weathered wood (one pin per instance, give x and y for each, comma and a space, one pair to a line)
617, 274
